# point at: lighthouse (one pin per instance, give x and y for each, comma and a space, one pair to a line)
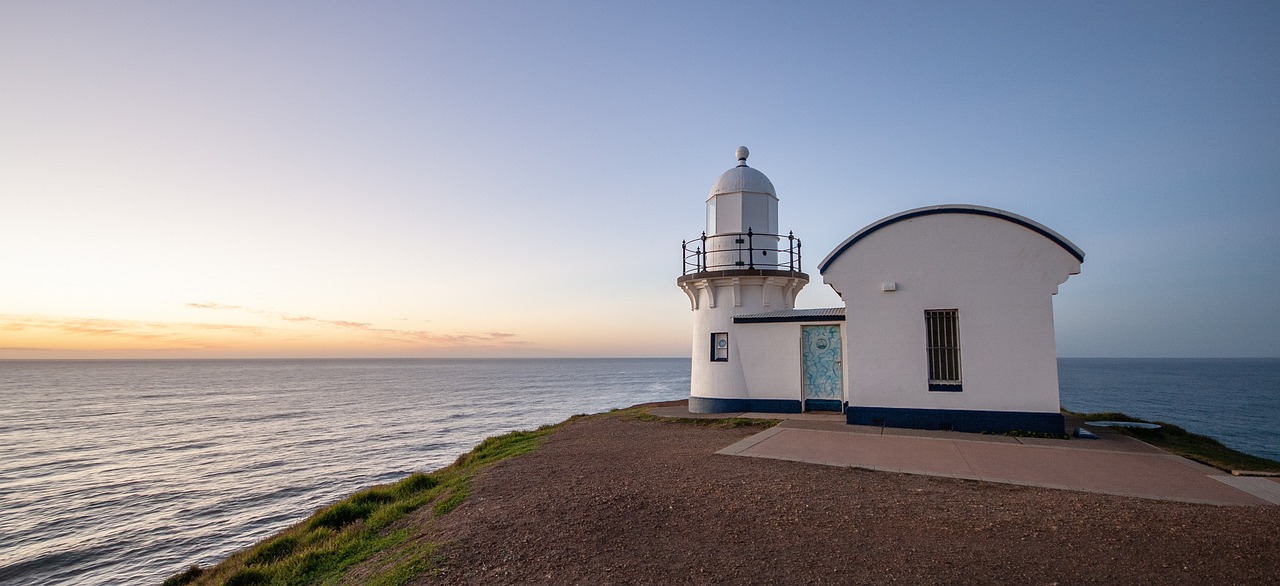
742, 265
947, 320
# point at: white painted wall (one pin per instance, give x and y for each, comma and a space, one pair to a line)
1000, 275
724, 380
735, 379
770, 355
735, 213
772, 358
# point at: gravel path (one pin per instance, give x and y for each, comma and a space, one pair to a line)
612, 499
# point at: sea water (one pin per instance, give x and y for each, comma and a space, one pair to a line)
129, 471
125, 472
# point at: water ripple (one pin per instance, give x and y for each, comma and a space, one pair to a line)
130, 471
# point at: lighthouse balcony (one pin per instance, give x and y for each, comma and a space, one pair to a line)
742, 254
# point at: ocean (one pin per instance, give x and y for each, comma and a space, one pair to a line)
130, 471
1233, 400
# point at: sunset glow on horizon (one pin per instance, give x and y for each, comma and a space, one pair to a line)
265, 336
239, 180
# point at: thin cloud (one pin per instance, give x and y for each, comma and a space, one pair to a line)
332, 322
253, 330
415, 337
350, 324
286, 317
429, 339
215, 306
166, 333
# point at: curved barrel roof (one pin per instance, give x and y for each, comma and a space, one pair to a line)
1028, 223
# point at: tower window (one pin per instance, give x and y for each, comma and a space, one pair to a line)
942, 334
720, 346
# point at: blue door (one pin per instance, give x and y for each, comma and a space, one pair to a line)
823, 379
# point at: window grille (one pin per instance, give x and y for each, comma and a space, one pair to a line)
943, 334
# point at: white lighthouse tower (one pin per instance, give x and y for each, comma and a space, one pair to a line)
740, 266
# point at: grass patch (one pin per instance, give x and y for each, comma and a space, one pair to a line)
335, 539
407, 564
273, 551
186, 577
340, 515
1194, 446
643, 414
248, 577
450, 502
1037, 434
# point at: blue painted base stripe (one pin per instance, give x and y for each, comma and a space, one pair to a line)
822, 404
956, 419
717, 405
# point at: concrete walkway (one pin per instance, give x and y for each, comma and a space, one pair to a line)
1113, 464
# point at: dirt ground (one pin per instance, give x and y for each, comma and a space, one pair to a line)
612, 499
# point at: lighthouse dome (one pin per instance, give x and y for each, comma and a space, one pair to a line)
742, 179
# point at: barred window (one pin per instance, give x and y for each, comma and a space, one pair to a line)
942, 330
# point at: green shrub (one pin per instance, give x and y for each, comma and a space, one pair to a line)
373, 497
272, 551
340, 515
416, 482
1039, 434
248, 577
185, 577
1109, 416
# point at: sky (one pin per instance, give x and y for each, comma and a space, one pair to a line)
416, 179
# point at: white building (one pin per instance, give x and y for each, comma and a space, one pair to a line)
947, 324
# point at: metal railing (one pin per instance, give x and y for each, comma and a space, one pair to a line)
741, 250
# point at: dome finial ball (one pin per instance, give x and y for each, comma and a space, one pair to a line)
742, 154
